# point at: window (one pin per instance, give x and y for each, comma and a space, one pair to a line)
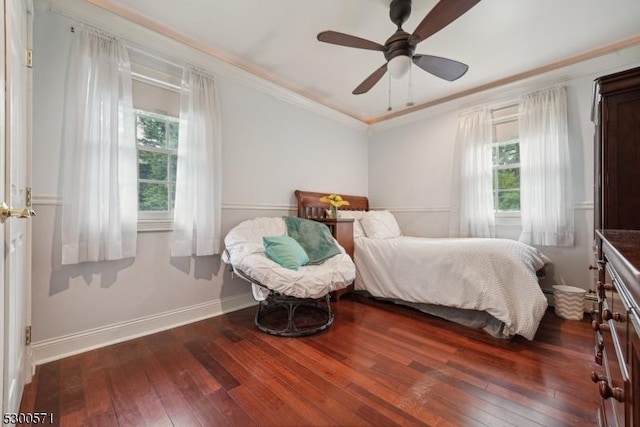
157, 143
506, 160
156, 101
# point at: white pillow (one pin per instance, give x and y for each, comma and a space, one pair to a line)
356, 215
380, 225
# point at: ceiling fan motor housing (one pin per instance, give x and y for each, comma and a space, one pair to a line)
398, 44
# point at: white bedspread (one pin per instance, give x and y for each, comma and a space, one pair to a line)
245, 252
494, 275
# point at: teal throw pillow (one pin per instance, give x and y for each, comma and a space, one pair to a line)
285, 251
314, 237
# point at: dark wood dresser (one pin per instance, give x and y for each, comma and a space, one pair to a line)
617, 329
617, 247
617, 150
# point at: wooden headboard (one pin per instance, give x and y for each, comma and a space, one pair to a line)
309, 205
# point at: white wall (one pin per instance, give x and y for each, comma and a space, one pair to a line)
410, 164
270, 148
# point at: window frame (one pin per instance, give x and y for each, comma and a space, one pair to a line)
156, 220
510, 217
156, 89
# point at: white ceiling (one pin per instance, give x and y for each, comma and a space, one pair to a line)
499, 40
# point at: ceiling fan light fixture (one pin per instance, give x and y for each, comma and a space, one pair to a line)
399, 49
399, 65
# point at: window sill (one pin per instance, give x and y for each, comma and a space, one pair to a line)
511, 219
146, 225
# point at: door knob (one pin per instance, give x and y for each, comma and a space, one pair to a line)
7, 212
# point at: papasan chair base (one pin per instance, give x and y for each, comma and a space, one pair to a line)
287, 316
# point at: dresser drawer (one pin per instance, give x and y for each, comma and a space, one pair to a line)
613, 380
611, 387
615, 312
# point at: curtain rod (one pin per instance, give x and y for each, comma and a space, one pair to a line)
131, 46
146, 52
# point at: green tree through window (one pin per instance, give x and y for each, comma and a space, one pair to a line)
506, 161
157, 142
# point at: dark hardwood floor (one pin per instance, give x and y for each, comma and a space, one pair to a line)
378, 364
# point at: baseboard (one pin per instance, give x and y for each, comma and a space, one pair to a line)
68, 345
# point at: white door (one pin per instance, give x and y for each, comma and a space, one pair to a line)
16, 231
2, 173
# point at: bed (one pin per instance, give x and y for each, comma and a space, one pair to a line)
292, 292
490, 284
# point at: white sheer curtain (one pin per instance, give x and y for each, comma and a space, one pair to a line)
472, 211
198, 182
545, 169
100, 210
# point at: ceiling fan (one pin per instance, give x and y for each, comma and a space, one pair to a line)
399, 49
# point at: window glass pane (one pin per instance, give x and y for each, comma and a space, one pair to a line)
152, 165
157, 139
508, 154
151, 132
173, 136
508, 179
153, 197
509, 200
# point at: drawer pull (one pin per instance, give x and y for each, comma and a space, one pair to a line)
606, 287
618, 317
602, 327
603, 287
596, 378
607, 392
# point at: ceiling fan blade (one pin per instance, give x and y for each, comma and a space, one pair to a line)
442, 14
342, 39
444, 68
370, 81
